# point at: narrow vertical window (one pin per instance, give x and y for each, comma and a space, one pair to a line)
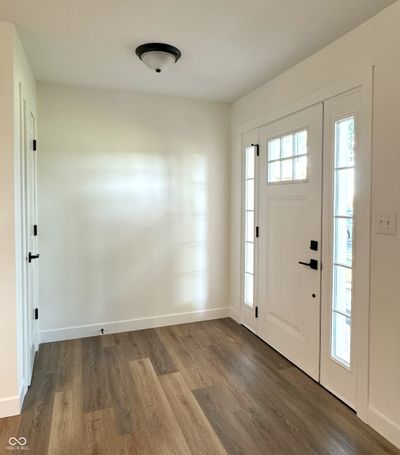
343, 240
249, 224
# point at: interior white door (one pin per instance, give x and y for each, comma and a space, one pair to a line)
290, 193
30, 233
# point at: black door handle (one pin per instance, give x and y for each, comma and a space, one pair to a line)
313, 264
32, 256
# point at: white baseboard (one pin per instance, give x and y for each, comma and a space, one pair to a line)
384, 426
234, 314
82, 331
10, 406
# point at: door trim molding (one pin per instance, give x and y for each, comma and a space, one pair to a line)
363, 80
358, 79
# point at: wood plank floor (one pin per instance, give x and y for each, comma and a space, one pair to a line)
204, 388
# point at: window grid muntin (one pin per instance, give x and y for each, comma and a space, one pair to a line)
337, 313
294, 157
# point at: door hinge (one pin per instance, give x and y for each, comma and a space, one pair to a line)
36, 313
257, 149
34, 145
257, 231
35, 230
256, 312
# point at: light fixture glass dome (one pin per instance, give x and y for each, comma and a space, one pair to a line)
157, 61
158, 56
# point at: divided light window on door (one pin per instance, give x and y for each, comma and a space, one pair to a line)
343, 240
287, 157
249, 228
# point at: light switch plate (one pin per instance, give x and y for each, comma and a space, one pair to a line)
386, 222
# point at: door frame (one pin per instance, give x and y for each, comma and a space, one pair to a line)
364, 81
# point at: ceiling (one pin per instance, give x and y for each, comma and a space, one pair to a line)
229, 47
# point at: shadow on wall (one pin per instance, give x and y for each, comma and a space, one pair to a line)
134, 234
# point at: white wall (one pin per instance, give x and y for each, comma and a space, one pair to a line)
14, 70
376, 42
133, 209
8, 320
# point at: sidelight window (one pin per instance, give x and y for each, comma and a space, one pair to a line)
249, 224
343, 240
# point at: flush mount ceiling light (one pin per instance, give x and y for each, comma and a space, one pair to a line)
158, 56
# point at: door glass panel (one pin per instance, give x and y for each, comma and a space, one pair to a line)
287, 170
343, 253
250, 194
341, 336
344, 143
344, 185
287, 146
249, 223
249, 229
274, 171
300, 168
248, 289
249, 258
342, 278
300, 143
343, 240
287, 157
274, 149
250, 152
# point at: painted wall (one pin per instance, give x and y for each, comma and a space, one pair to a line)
376, 42
133, 209
8, 321
14, 70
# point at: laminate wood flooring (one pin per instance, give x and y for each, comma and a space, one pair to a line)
207, 388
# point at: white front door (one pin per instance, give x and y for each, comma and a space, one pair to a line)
30, 240
289, 270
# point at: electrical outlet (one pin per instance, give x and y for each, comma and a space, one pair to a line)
386, 222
